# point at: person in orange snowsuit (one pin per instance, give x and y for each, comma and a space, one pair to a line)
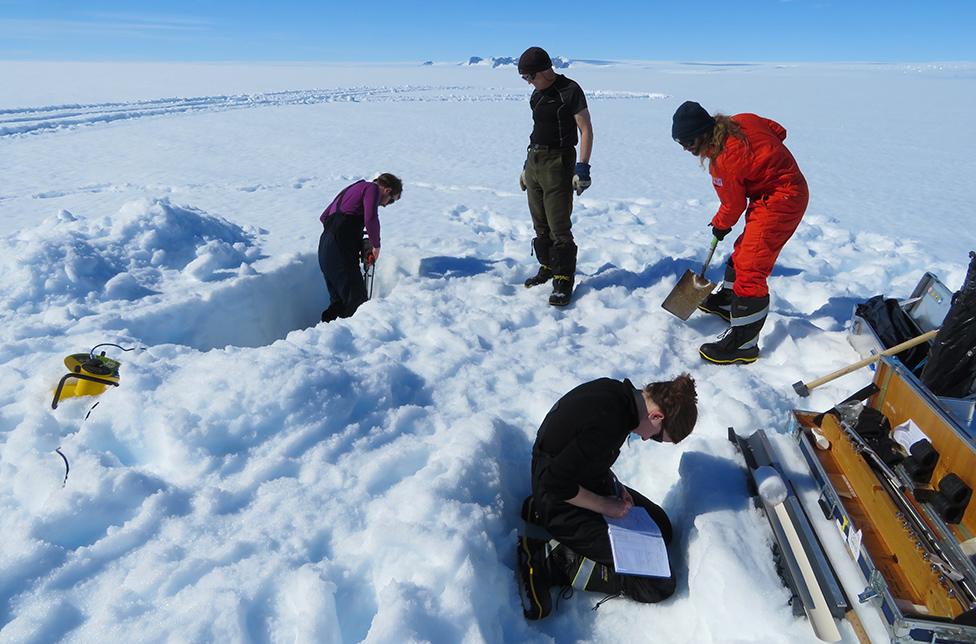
751, 171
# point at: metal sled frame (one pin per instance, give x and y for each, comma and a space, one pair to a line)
803, 564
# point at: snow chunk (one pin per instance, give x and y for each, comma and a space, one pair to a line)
125, 287
214, 256
306, 609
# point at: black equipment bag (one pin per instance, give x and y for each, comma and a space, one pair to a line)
951, 369
893, 326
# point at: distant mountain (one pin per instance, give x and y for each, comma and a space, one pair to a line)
500, 61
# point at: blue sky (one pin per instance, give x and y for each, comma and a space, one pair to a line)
289, 30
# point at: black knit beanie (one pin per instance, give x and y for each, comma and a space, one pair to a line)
690, 121
534, 60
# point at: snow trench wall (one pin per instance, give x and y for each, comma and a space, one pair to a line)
251, 311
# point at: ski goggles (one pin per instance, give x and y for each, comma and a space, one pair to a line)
528, 77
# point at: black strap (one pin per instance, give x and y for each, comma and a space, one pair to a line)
338, 200
605, 600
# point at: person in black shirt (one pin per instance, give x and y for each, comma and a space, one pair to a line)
551, 171
573, 485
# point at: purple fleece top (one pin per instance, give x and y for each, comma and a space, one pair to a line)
361, 198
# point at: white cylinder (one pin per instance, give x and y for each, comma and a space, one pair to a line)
771, 487
821, 441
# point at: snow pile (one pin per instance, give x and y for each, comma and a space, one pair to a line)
71, 258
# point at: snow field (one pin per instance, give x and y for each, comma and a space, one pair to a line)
261, 477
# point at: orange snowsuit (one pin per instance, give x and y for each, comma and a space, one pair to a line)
760, 176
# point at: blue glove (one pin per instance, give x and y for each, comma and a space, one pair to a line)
581, 178
720, 233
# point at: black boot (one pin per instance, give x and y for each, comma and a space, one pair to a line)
529, 512
562, 290
564, 567
332, 312
543, 276
720, 302
568, 568
534, 580
741, 341
564, 273
543, 248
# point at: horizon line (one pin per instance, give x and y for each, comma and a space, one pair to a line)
596, 62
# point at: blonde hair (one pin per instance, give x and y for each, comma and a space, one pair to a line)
711, 145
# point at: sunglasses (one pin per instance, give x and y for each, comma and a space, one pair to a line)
528, 77
685, 144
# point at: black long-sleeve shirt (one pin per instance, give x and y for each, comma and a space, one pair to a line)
580, 439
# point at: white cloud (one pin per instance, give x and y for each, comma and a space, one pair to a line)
105, 24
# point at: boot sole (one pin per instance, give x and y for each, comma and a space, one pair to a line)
732, 361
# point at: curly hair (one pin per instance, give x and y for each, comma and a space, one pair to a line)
679, 401
710, 145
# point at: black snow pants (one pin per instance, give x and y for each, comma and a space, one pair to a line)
585, 533
339, 250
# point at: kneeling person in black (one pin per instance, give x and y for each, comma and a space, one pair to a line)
573, 486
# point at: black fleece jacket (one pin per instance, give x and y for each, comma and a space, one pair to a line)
580, 439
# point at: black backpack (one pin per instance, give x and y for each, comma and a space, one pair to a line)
893, 326
951, 369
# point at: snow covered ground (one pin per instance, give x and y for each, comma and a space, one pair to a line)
260, 477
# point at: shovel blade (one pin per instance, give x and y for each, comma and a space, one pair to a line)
690, 291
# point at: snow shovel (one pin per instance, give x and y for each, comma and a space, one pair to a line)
803, 388
691, 290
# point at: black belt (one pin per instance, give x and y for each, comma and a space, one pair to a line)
537, 147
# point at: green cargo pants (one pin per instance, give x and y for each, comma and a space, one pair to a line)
549, 184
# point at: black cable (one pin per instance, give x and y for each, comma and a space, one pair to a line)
67, 468
91, 353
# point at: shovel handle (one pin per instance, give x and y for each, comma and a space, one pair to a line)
804, 388
708, 260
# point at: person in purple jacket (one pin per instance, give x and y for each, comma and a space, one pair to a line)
353, 209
